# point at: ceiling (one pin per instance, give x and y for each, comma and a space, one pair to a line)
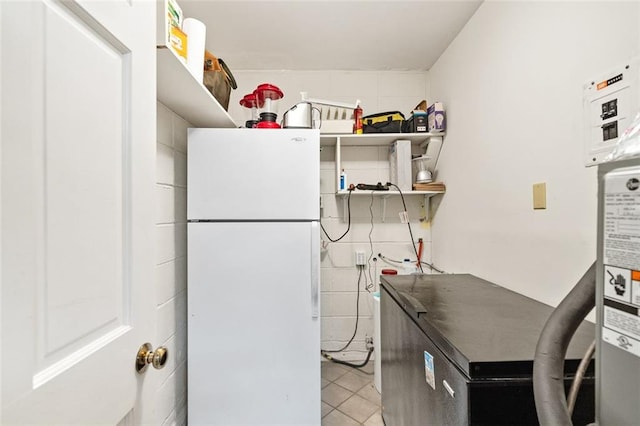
330, 35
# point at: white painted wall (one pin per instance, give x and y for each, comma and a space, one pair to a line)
171, 269
379, 92
512, 85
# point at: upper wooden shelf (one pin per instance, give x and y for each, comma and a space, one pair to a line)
180, 92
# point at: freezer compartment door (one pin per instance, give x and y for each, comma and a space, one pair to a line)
253, 174
253, 329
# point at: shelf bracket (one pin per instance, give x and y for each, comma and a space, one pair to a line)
427, 208
433, 150
345, 206
384, 206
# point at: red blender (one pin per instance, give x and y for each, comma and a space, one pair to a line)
251, 102
266, 95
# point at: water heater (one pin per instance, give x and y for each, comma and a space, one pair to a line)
618, 294
611, 104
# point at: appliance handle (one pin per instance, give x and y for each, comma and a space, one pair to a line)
315, 269
414, 303
449, 389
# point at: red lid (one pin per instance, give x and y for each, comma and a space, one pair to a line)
250, 101
267, 125
389, 272
266, 90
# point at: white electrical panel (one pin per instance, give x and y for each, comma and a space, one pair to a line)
610, 103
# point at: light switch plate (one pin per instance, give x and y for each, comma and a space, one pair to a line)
539, 196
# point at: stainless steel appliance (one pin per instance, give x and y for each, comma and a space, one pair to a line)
458, 350
301, 116
618, 294
422, 173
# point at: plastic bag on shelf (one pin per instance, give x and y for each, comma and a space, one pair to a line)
628, 145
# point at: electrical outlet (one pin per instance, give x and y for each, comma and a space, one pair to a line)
368, 341
360, 260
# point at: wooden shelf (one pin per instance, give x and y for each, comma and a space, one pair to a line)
180, 92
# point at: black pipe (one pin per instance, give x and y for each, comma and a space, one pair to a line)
548, 365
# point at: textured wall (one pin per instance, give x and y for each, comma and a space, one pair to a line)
171, 269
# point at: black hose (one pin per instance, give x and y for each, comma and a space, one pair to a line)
548, 365
338, 361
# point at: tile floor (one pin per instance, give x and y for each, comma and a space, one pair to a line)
349, 397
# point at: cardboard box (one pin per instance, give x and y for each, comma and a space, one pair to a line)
435, 118
417, 123
169, 14
422, 106
178, 43
400, 164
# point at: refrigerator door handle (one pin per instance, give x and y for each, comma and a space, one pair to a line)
315, 269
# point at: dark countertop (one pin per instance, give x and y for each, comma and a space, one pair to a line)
487, 330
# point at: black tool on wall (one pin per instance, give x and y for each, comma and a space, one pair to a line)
367, 187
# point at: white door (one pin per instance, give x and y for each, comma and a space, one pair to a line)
77, 177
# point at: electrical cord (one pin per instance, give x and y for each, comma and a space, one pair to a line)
339, 361
323, 351
370, 285
431, 266
413, 244
348, 221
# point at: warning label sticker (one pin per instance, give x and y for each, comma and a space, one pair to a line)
622, 322
429, 373
617, 283
635, 287
622, 219
621, 260
622, 341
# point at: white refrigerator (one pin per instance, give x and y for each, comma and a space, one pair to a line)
253, 277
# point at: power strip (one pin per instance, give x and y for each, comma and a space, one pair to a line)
368, 187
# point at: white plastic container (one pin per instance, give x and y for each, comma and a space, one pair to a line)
196, 32
408, 267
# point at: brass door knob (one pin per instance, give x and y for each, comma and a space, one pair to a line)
146, 355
